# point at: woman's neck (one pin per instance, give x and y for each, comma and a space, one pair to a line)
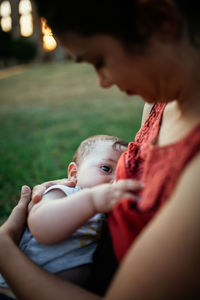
188, 98
177, 121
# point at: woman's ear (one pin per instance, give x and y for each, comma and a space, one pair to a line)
72, 172
159, 18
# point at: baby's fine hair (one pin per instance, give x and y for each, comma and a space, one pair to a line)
88, 145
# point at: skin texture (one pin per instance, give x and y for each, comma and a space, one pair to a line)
95, 175
69, 213
96, 168
133, 73
161, 74
164, 261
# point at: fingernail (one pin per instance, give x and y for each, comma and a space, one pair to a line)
25, 189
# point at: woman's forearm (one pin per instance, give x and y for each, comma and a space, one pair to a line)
30, 282
52, 221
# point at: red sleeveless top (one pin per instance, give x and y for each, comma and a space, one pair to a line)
159, 168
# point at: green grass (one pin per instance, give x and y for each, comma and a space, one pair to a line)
45, 112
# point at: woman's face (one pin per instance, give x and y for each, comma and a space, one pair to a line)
134, 73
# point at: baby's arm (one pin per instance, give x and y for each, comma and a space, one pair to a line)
52, 221
56, 216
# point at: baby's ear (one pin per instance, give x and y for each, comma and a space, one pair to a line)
72, 172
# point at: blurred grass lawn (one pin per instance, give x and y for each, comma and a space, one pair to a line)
45, 112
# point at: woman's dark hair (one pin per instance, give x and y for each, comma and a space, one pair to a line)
88, 17
190, 10
121, 19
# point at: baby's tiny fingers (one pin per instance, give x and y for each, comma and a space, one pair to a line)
129, 184
125, 196
131, 196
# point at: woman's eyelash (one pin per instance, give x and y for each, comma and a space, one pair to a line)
106, 169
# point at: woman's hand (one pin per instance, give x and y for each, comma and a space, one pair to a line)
39, 190
105, 196
15, 224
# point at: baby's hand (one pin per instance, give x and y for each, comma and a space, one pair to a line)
105, 196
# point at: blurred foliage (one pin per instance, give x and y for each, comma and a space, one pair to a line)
22, 49
6, 45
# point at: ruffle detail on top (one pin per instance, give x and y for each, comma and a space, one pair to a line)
159, 168
134, 161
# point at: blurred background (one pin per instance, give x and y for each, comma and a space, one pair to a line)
48, 104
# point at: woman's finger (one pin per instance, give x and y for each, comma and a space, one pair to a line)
22, 205
25, 195
66, 182
16, 222
39, 190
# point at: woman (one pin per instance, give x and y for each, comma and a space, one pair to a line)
149, 48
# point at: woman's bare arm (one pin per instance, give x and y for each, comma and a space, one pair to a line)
164, 262
30, 282
27, 280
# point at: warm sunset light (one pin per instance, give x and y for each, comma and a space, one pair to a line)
5, 12
25, 7
26, 25
26, 20
49, 43
6, 24
5, 9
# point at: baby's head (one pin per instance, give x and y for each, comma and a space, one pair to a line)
95, 160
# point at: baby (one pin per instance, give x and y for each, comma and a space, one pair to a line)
64, 227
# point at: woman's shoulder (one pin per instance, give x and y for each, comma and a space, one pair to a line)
168, 248
188, 186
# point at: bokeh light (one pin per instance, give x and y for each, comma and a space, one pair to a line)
26, 19
49, 43
5, 13
26, 25
6, 24
25, 7
5, 9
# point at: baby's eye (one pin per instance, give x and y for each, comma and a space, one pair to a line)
106, 169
